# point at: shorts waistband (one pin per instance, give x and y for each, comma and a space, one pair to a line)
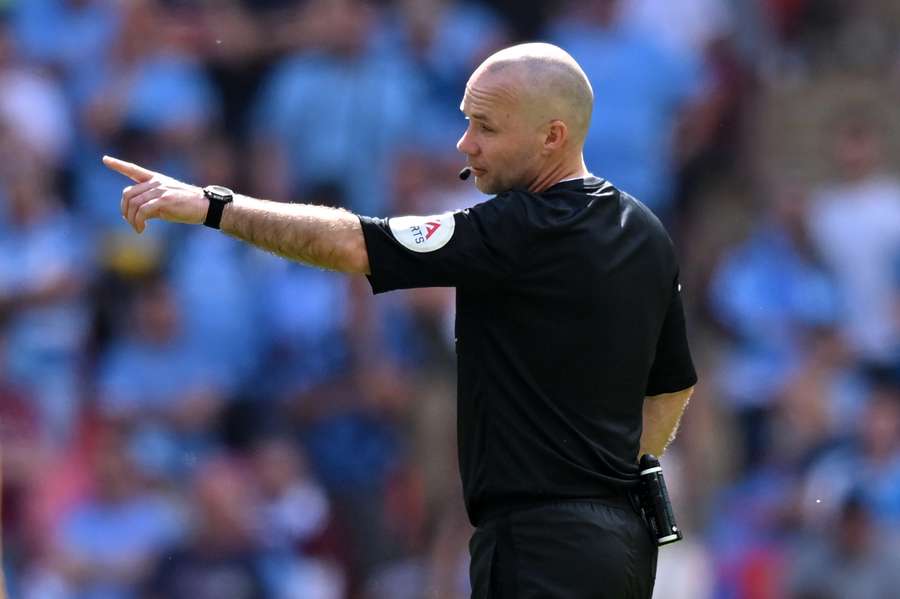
625, 498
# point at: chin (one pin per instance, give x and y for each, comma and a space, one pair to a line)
488, 187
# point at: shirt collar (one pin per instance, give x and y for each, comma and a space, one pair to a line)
577, 182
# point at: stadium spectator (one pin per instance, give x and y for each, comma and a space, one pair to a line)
33, 109
220, 558
855, 560
631, 142
294, 508
68, 36
45, 267
855, 224
371, 105
866, 466
151, 375
149, 81
769, 292
103, 547
446, 40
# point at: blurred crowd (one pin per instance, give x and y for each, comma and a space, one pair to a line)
183, 416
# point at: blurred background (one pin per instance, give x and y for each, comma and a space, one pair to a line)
183, 416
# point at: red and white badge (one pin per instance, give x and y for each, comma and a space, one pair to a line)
423, 233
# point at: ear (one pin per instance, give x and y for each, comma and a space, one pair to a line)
556, 135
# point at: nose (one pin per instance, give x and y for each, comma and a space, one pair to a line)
465, 144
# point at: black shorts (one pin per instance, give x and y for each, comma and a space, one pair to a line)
564, 550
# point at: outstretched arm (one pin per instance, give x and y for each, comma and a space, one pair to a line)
316, 235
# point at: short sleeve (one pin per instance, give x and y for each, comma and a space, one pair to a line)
673, 368
481, 246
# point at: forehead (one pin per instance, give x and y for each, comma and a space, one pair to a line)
490, 96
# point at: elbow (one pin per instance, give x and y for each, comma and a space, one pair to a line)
356, 254
358, 260
361, 266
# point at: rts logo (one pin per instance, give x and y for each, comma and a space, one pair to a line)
423, 234
420, 236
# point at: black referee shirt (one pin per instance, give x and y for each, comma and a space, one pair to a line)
568, 312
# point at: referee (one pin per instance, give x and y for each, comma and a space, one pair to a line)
570, 335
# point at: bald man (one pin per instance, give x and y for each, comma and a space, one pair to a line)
570, 336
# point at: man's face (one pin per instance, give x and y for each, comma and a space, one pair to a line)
502, 144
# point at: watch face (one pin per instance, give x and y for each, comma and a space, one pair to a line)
218, 192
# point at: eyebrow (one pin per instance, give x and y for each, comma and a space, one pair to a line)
476, 116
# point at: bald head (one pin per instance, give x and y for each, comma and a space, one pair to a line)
547, 82
529, 107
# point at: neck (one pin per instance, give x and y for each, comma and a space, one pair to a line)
566, 169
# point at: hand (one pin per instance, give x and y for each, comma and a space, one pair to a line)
157, 196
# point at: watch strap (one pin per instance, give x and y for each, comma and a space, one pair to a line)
214, 213
217, 196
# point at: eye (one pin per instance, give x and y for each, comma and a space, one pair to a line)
485, 128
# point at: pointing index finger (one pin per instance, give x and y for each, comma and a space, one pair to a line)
130, 170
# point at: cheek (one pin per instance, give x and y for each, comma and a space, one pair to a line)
515, 158
507, 157
502, 153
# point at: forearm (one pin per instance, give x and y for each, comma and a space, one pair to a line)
318, 235
662, 415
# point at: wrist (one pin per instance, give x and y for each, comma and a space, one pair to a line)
218, 198
230, 211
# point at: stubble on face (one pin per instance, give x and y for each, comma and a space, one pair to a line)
495, 104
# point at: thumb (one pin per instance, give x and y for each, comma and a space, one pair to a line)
134, 172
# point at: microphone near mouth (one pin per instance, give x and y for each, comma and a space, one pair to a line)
465, 173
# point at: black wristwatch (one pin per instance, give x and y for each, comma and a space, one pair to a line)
218, 196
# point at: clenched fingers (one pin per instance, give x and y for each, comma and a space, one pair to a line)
134, 191
148, 210
135, 203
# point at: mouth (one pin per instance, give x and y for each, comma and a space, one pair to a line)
478, 172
